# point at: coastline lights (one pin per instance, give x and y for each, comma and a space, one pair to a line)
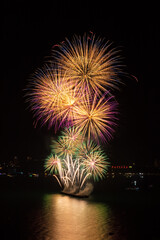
122, 167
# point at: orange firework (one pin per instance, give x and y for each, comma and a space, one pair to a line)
52, 96
96, 117
89, 63
66, 111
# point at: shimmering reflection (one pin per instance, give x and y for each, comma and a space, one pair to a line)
68, 218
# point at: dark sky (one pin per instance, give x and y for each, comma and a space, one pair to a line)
29, 32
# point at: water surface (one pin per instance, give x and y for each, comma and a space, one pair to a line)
46, 216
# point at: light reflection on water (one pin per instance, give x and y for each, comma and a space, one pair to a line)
64, 217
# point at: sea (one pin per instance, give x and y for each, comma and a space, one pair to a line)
35, 213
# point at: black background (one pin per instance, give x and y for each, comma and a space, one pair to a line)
29, 32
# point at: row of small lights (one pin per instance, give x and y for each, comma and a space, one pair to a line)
121, 167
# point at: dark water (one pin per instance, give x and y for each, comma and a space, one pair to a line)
37, 215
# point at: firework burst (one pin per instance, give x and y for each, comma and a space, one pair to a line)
67, 143
96, 118
91, 64
66, 111
76, 161
52, 164
51, 96
86, 148
95, 163
72, 92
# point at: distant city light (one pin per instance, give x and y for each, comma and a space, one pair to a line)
121, 167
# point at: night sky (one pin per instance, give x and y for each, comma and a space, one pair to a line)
30, 31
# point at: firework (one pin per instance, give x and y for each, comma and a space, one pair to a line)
67, 143
66, 111
74, 172
51, 96
72, 136
90, 63
67, 171
72, 92
61, 147
95, 163
52, 164
96, 118
86, 148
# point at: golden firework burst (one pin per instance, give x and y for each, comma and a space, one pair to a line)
90, 63
96, 118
